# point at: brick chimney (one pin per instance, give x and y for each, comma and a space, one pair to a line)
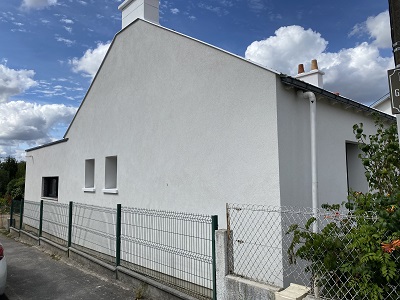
139, 9
314, 76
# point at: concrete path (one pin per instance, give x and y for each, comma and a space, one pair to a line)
33, 274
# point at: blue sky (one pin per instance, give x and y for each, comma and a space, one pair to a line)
51, 49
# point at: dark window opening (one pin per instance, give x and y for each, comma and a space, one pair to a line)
50, 187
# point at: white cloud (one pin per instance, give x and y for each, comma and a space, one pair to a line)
377, 28
37, 4
67, 21
24, 125
69, 29
215, 9
174, 11
90, 62
358, 73
289, 46
67, 42
23, 121
13, 82
256, 5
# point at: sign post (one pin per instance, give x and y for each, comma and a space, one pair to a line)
394, 14
394, 86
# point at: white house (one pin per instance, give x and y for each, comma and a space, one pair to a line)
383, 105
172, 123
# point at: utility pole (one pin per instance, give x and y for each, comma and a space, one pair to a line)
394, 13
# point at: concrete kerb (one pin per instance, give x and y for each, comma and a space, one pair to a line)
227, 285
93, 263
28, 238
153, 289
14, 232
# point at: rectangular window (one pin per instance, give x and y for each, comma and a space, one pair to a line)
89, 175
50, 187
356, 180
110, 185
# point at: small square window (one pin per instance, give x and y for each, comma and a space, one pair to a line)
50, 187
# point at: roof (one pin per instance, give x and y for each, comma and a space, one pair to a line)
380, 101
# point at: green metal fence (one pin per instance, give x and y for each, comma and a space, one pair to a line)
55, 222
31, 218
15, 213
94, 231
173, 248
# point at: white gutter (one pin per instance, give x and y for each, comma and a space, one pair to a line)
314, 175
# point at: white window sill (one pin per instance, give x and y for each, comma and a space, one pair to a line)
110, 191
89, 190
49, 198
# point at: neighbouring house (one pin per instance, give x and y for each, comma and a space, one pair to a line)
383, 105
172, 123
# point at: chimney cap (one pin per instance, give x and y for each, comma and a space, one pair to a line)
314, 64
300, 69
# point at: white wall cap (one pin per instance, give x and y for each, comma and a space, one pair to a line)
313, 77
126, 3
293, 292
139, 9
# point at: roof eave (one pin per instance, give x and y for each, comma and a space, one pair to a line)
47, 145
304, 86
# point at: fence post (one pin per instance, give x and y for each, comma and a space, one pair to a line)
11, 212
118, 237
41, 218
70, 224
21, 213
214, 224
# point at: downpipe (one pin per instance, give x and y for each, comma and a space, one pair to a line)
314, 175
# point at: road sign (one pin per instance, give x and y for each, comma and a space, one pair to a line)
394, 86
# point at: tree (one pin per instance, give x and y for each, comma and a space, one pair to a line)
10, 165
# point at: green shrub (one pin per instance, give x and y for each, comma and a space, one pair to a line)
360, 251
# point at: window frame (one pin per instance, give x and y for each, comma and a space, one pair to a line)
90, 168
47, 187
111, 175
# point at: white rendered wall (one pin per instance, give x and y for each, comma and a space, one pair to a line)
334, 127
192, 127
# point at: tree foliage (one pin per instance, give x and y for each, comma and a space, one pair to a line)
12, 180
360, 251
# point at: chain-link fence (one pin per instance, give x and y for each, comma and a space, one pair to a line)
283, 245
